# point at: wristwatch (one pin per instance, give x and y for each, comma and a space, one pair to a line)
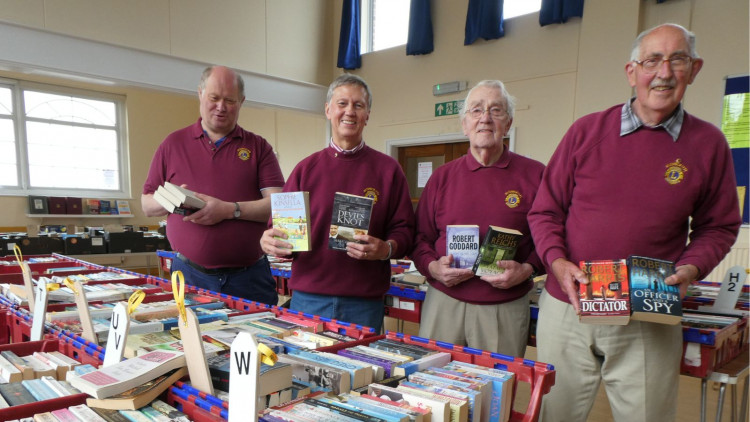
236, 210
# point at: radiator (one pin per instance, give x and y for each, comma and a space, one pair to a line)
738, 255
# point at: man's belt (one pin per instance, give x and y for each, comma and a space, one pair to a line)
210, 271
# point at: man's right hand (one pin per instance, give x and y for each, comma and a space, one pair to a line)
441, 271
567, 273
272, 245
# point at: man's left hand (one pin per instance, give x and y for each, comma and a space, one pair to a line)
515, 273
369, 248
683, 275
214, 212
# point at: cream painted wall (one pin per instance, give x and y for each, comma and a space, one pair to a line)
557, 73
285, 38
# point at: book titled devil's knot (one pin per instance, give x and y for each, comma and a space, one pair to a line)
651, 299
604, 300
351, 216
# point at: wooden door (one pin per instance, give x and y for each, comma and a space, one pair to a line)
418, 162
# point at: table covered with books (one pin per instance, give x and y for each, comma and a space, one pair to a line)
319, 361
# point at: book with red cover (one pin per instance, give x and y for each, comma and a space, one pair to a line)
605, 300
57, 205
74, 205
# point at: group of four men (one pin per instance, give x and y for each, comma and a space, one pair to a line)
643, 178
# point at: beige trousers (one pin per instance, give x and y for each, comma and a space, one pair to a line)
499, 328
639, 364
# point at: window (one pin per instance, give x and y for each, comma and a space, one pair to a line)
385, 23
61, 142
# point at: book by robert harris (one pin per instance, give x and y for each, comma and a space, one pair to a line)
290, 213
604, 300
462, 241
651, 299
499, 244
351, 216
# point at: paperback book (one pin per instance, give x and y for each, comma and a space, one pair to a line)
290, 213
604, 300
462, 241
651, 299
499, 244
351, 216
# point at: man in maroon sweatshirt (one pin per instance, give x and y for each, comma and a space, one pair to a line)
641, 178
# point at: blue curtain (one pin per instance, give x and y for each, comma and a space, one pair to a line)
484, 18
558, 11
420, 28
349, 57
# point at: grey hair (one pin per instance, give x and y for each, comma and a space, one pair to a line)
349, 79
689, 37
238, 80
510, 101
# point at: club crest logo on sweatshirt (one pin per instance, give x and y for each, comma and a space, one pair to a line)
243, 154
512, 198
675, 172
372, 193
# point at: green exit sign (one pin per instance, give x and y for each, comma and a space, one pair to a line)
448, 108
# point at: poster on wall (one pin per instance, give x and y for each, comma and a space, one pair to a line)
735, 123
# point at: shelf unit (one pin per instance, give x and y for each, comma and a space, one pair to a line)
79, 216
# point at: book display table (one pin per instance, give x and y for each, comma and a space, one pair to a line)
733, 373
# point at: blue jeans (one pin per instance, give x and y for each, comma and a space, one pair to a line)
252, 283
357, 310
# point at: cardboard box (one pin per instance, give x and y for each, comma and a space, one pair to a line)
80, 245
41, 245
125, 242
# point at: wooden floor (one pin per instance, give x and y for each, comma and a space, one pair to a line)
689, 395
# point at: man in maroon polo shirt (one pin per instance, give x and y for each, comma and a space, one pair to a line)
234, 171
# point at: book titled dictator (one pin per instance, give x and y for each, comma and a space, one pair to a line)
351, 216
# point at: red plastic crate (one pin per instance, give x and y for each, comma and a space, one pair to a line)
30, 409
717, 347
195, 412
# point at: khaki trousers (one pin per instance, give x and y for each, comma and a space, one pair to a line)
502, 328
639, 364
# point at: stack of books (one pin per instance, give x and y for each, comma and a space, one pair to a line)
177, 200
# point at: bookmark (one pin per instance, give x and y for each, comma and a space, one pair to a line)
119, 325
40, 310
192, 342
244, 369
729, 292
84, 314
26, 271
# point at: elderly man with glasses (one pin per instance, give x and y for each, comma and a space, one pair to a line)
490, 185
641, 178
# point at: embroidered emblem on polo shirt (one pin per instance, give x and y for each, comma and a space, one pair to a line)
372, 193
675, 172
243, 154
512, 198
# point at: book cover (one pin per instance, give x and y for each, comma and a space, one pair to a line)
604, 300
440, 408
15, 394
462, 241
499, 244
123, 207
92, 205
57, 205
105, 206
26, 370
38, 205
8, 371
414, 413
141, 395
351, 216
186, 197
357, 373
387, 365
318, 375
290, 213
651, 299
127, 374
85, 413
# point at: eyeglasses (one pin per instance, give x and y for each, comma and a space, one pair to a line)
678, 63
495, 112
